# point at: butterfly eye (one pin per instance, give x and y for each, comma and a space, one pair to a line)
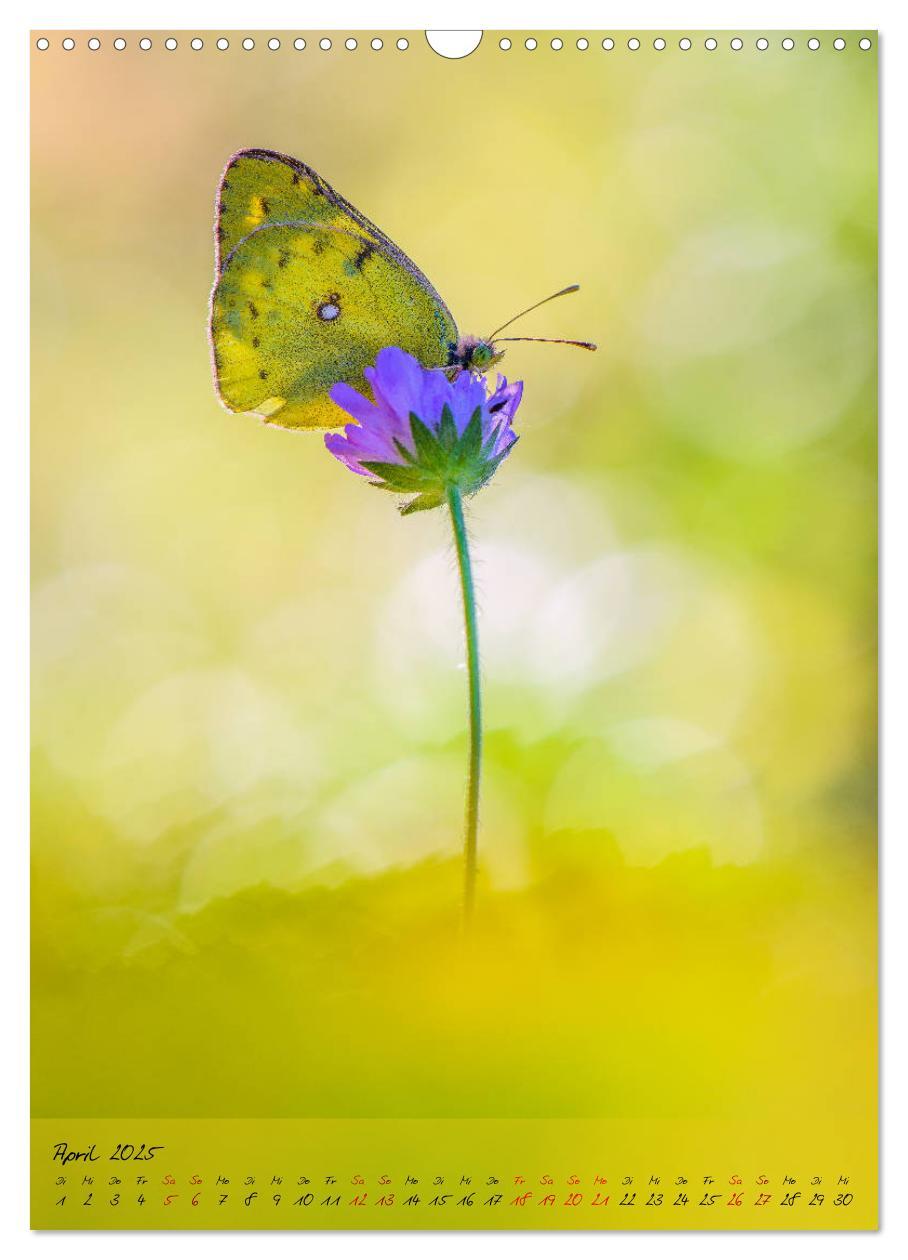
328, 311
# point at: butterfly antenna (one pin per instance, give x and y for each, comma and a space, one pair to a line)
572, 288
554, 341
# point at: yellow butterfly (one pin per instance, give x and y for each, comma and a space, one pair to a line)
307, 291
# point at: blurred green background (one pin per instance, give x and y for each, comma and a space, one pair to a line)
248, 692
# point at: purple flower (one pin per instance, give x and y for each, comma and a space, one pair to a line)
424, 433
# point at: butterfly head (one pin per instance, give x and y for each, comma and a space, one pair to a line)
478, 354
473, 354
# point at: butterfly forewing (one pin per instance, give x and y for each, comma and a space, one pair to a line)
260, 187
289, 250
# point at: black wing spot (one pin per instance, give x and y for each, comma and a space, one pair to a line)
266, 205
363, 256
253, 310
284, 257
256, 343
263, 375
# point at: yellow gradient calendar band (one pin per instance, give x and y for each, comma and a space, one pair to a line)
627, 1174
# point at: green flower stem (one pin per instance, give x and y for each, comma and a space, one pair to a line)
471, 822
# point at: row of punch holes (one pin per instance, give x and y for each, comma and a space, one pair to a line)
633, 44
171, 44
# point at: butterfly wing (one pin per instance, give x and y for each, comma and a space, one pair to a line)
300, 306
285, 243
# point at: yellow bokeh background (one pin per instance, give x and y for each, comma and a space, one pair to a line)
248, 694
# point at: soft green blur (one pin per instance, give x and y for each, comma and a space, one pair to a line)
249, 701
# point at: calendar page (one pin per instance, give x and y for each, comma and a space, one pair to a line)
454, 630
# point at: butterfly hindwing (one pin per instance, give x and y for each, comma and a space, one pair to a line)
301, 306
286, 244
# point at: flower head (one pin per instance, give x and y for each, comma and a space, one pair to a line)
422, 433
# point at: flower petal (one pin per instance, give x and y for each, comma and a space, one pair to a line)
436, 395
468, 394
340, 449
397, 381
353, 402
